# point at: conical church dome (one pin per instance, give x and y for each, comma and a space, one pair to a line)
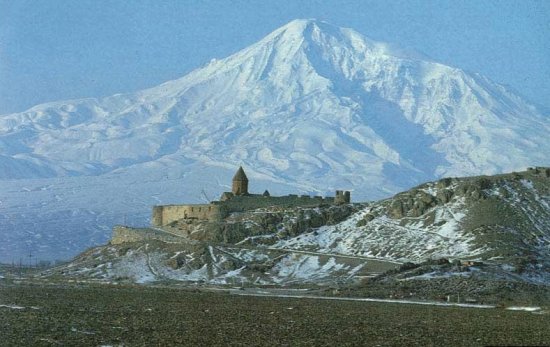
240, 175
240, 183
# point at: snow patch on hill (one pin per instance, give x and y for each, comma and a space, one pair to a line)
385, 238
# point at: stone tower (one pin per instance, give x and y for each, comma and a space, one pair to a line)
342, 197
240, 183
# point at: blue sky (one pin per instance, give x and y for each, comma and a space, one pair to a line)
56, 50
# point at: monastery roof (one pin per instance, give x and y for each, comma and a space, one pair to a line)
240, 175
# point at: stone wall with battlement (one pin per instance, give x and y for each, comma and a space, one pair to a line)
164, 215
239, 200
217, 210
251, 202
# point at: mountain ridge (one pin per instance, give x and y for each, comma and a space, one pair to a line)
311, 107
154, 107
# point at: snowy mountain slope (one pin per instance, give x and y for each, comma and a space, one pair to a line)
308, 96
503, 219
310, 106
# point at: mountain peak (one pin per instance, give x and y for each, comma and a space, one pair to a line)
311, 107
298, 24
331, 39
298, 30
301, 25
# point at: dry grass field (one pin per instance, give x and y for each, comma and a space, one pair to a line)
89, 315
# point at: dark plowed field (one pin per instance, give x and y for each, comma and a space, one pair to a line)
145, 316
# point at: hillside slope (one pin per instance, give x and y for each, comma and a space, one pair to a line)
311, 107
501, 223
503, 219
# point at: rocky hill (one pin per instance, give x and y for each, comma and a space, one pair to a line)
485, 232
497, 218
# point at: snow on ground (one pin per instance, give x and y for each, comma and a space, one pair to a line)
17, 307
339, 298
133, 267
221, 266
13, 307
524, 308
385, 238
308, 268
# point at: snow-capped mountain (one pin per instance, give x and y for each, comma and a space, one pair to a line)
311, 107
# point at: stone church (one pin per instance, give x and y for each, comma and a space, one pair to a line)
239, 200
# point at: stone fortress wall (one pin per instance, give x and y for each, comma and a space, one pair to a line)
166, 214
239, 200
240, 203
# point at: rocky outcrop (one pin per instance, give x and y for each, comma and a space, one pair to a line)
277, 221
282, 222
421, 199
124, 234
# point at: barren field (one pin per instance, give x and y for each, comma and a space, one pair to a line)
95, 315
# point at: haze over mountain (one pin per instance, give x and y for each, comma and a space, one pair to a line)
309, 108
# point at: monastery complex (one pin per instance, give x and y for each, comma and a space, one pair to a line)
238, 200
